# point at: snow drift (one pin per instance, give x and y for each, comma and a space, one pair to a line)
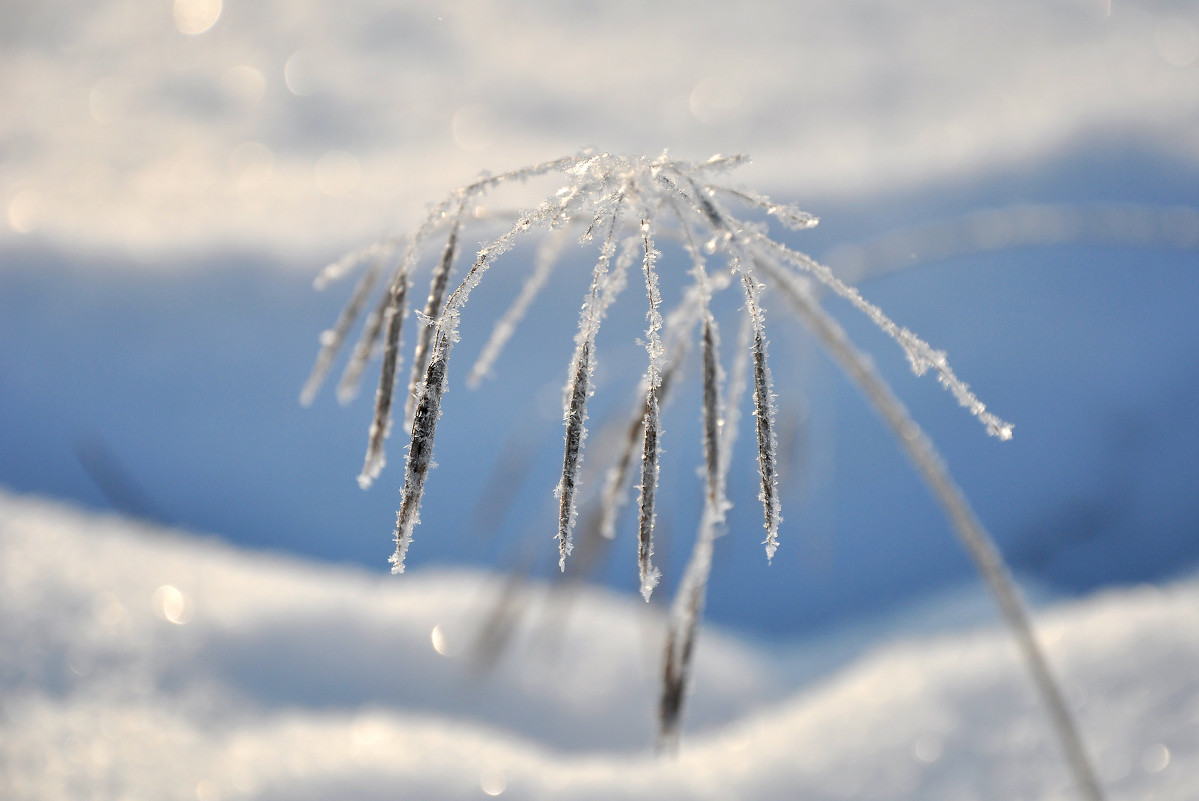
137, 662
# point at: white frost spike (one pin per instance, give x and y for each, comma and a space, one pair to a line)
578, 387
420, 451
650, 452
920, 354
678, 326
614, 495
764, 415
437, 289
721, 163
709, 339
380, 426
651, 449
576, 432
791, 216
332, 340
711, 418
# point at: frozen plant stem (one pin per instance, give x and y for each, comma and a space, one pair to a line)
974, 538
687, 609
621, 200
392, 319
652, 426
578, 387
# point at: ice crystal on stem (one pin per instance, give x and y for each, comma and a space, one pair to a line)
627, 204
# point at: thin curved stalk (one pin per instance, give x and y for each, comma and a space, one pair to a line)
437, 287
652, 427
420, 451
578, 387
687, 609
380, 426
333, 339
969, 530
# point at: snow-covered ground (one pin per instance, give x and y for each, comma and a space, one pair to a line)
291, 124
172, 174
143, 663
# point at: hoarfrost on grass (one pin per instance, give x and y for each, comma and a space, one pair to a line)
609, 195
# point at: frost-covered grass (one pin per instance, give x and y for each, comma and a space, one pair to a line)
140, 663
626, 204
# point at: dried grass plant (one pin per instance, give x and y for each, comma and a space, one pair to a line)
626, 206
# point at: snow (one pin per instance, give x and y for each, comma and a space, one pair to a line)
290, 125
142, 663
171, 180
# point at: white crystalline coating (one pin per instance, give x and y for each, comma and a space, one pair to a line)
576, 432
599, 187
921, 356
619, 200
437, 288
331, 340
542, 216
578, 387
678, 326
732, 236
380, 426
615, 495
651, 451
764, 418
710, 340
791, 216
420, 452
653, 335
719, 163
651, 427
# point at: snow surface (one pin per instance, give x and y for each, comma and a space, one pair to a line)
291, 125
144, 663
171, 178
159, 163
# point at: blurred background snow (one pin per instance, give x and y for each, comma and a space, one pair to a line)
1015, 182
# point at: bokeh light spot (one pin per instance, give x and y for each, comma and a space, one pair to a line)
493, 782
927, 748
299, 73
1156, 758
25, 212
194, 17
172, 605
440, 645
